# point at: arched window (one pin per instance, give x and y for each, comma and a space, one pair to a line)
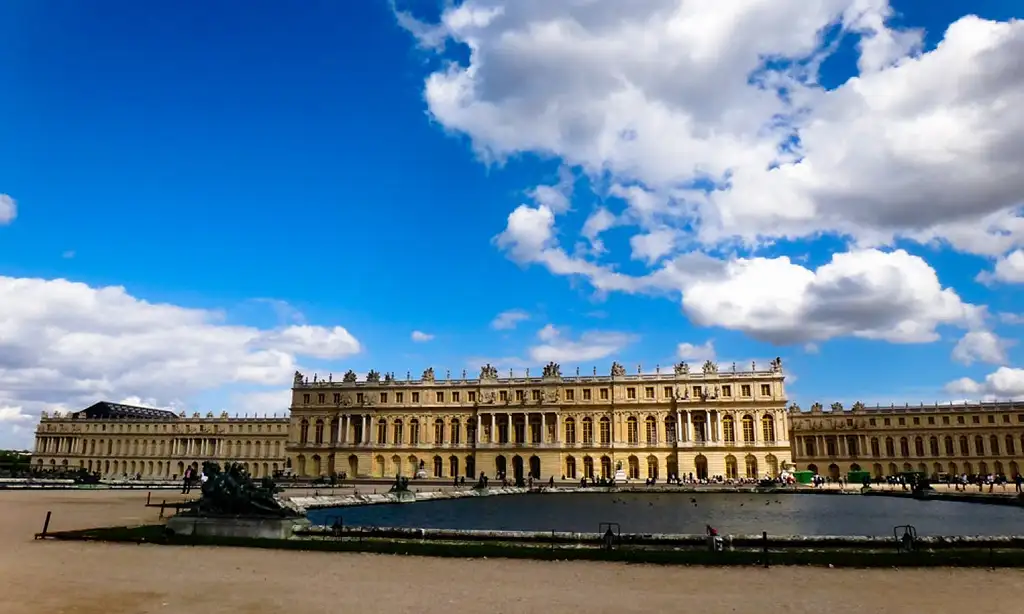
979, 445
890, 450
651, 424
588, 437
631, 432
965, 449
438, 467
455, 432
748, 428
414, 432
670, 429
606, 431
1010, 451
320, 431
904, 447
570, 467
398, 432
751, 462
729, 432
438, 431
768, 427
933, 445
919, 446
948, 443
382, 431
570, 436
993, 444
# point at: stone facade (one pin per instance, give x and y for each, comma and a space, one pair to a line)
706, 421
115, 440
979, 438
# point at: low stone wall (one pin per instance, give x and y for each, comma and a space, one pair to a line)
662, 539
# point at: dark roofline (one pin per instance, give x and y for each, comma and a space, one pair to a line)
114, 411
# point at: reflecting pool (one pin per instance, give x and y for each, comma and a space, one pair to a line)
730, 513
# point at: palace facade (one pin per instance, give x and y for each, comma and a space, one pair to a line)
117, 440
706, 422
978, 438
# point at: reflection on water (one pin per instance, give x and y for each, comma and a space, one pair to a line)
730, 513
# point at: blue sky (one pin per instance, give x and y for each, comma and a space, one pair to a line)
268, 172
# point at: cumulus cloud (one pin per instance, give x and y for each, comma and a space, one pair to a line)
420, 336
67, 344
507, 320
591, 345
8, 209
981, 346
1009, 269
706, 123
697, 353
1005, 383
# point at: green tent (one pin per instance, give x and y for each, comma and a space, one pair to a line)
858, 477
803, 477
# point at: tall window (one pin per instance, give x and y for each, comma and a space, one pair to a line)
588, 433
319, 431
397, 433
382, 431
729, 429
748, 429
874, 447
768, 427
414, 432
570, 432
606, 431
439, 431
631, 431
456, 432
651, 428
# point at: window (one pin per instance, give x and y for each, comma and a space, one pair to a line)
991, 419
382, 431
455, 396
975, 419
766, 390
949, 446
729, 429
535, 395
745, 390
871, 421
399, 397
887, 422
748, 428
631, 392
570, 394
415, 397
890, 448
904, 447
503, 395
931, 419
874, 447
414, 432
902, 421
570, 431
726, 391
588, 431
632, 433
439, 431
383, 397
960, 420
603, 394
919, 446
768, 428
472, 396
520, 395
305, 398
945, 419
456, 432
696, 391
649, 392
439, 396
320, 398
933, 445
359, 398
917, 420
1006, 418
586, 394
337, 397
396, 433
606, 431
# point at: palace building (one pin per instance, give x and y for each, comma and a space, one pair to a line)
979, 438
707, 422
115, 440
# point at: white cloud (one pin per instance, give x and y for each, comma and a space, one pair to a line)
68, 254
507, 320
1011, 318
66, 344
696, 353
981, 346
420, 336
262, 403
591, 345
13, 414
1004, 383
8, 209
654, 97
1008, 269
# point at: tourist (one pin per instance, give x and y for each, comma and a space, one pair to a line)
186, 481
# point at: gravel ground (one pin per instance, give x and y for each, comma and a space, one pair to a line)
83, 578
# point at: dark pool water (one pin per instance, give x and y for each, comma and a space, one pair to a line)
730, 513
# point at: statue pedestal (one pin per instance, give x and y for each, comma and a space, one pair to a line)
421, 474
251, 528
620, 476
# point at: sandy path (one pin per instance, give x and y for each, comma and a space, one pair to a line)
52, 578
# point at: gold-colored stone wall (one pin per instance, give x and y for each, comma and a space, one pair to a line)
708, 422
978, 439
160, 448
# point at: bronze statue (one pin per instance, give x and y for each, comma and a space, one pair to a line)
232, 492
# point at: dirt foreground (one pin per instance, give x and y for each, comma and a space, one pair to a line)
50, 577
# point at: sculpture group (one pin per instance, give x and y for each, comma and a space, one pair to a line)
233, 492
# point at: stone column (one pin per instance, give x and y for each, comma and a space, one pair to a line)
511, 432
494, 429
558, 428
543, 428
679, 427
366, 429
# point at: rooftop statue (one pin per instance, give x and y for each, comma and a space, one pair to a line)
553, 369
777, 365
682, 368
618, 370
349, 377
298, 378
373, 376
710, 368
488, 372
428, 374
233, 492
